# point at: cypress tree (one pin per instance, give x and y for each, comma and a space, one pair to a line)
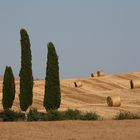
8, 89
52, 96
26, 77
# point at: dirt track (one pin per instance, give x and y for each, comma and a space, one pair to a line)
71, 130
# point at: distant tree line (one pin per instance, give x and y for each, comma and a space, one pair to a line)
52, 93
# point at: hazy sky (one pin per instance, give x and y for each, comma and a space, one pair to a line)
88, 34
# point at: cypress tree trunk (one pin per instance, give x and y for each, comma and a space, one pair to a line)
8, 89
52, 96
26, 77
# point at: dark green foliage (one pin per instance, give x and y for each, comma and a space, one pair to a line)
75, 114
10, 115
52, 95
71, 114
34, 115
122, 115
53, 115
90, 116
26, 77
8, 89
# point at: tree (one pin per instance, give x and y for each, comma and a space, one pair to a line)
52, 96
26, 77
8, 89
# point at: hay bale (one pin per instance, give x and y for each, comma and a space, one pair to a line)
135, 83
77, 84
94, 75
100, 73
114, 101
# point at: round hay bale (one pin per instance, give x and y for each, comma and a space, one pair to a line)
94, 75
135, 83
114, 101
77, 84
100, 73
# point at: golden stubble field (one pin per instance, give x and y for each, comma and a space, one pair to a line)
71, 130
91, 96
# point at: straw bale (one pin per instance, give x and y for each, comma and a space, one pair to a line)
100, 73
94, 75
114, 101
135, 83
77, 84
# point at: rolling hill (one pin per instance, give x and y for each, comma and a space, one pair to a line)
91, 96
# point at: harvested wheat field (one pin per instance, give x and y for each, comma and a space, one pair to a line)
91, 96
71, 130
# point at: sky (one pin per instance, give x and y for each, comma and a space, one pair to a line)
89, 35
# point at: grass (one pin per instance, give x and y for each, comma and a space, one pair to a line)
123, 115
10, 115
52, 115
34, 115
72, 114
91, 116
55, 115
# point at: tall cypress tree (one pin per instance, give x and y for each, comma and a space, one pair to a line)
26, 77
8, 88
52, 96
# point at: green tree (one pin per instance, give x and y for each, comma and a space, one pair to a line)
8, 89
52, 96
26, 77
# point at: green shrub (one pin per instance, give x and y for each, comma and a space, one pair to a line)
90, 116
53, 115
10, 115
72, 114
122, 115
34, 115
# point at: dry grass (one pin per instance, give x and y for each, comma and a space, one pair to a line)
92, 95
71, 130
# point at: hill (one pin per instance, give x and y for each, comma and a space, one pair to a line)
91, 96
